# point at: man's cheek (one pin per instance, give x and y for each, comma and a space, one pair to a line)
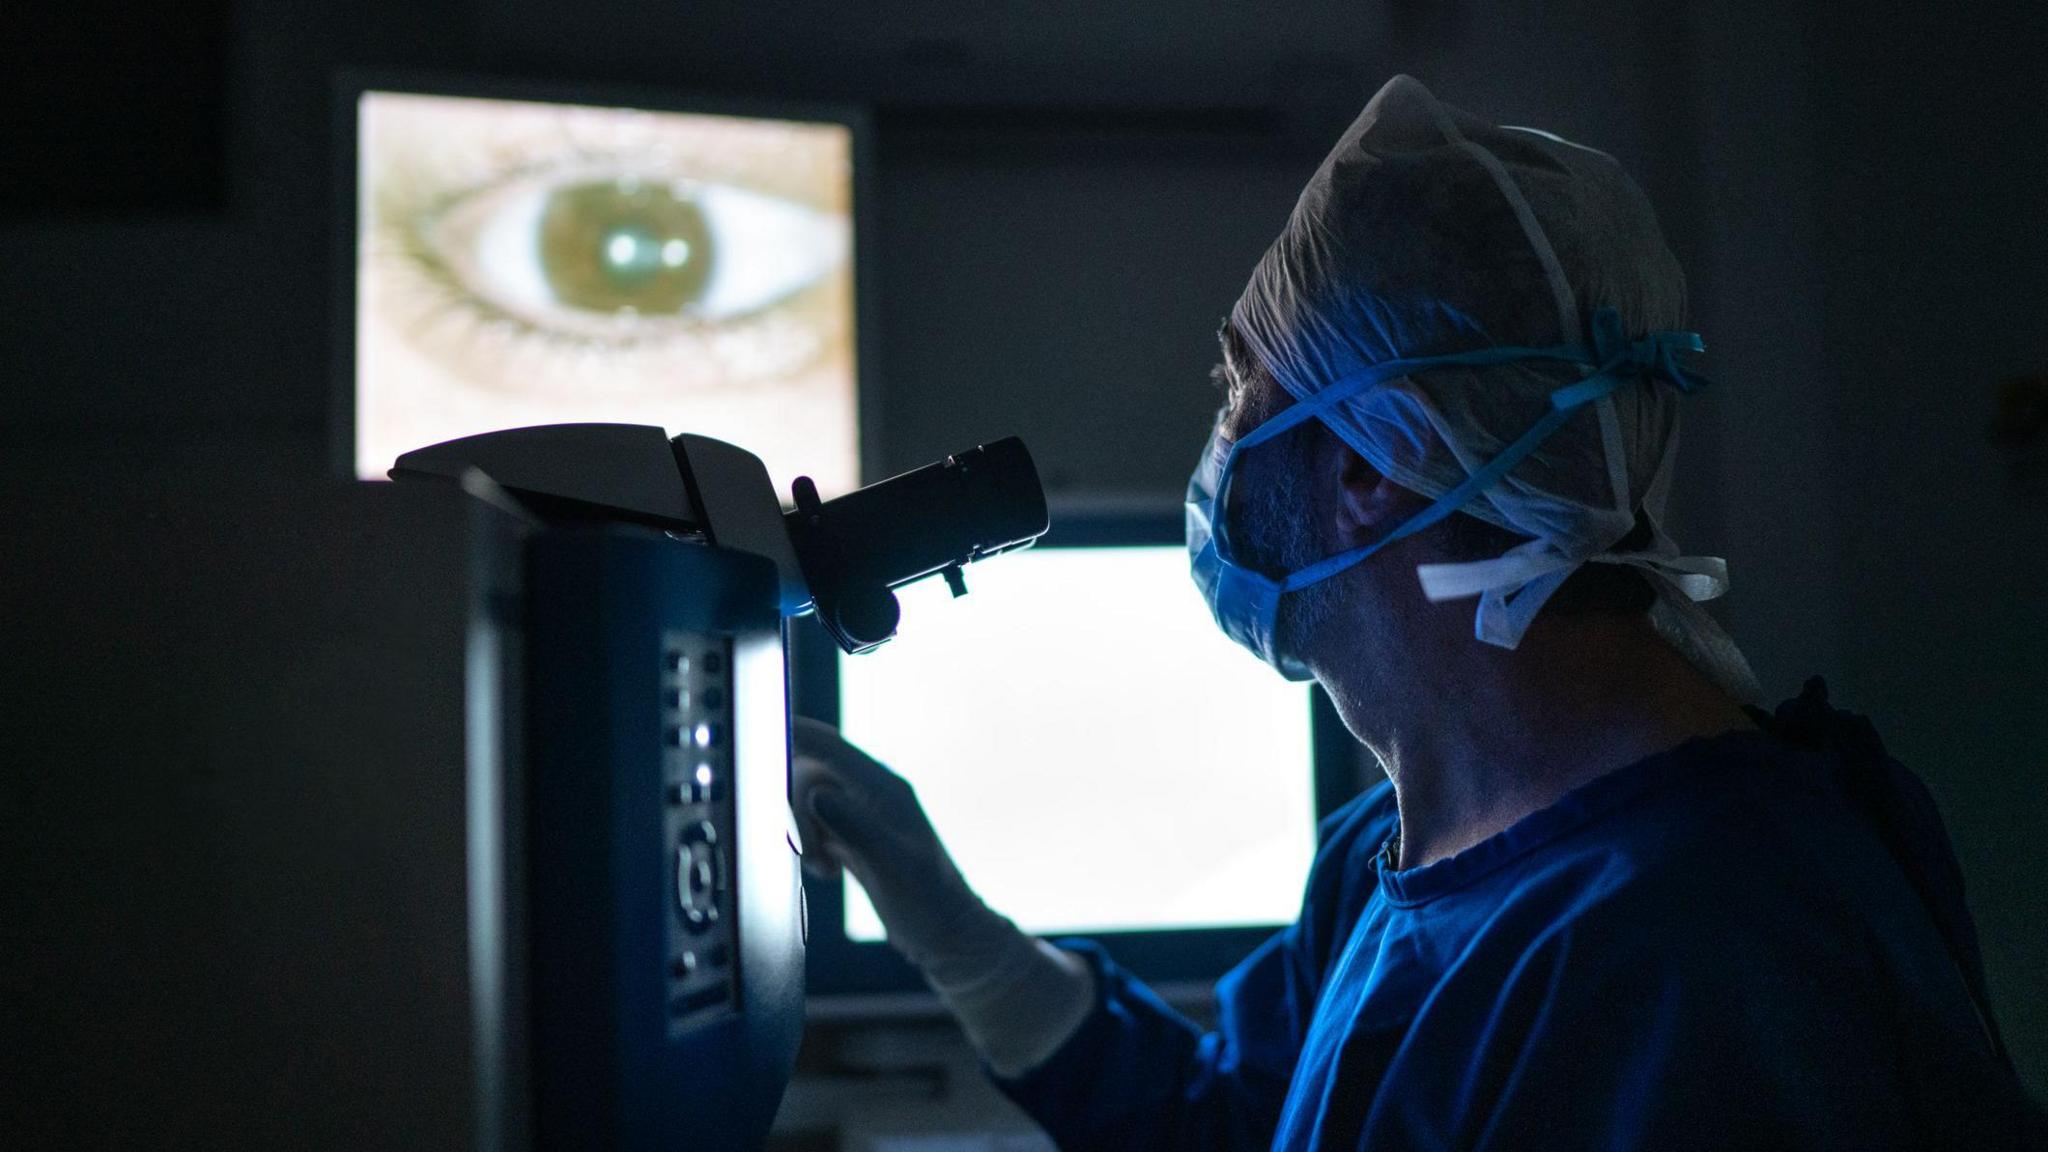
1277, 526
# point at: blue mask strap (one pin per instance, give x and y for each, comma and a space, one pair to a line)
1615, 360
1563, 404
1313, 406
1451, 501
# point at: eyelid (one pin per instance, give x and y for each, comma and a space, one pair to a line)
420, 155
561, 169
768, 249
440, 149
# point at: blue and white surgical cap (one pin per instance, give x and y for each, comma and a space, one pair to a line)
1428, 232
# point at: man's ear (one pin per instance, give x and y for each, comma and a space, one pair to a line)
1368, 504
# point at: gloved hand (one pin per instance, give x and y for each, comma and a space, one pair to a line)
1018, 998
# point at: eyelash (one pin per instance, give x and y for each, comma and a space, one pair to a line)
446, 318
407, 229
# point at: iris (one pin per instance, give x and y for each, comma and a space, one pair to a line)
616, 246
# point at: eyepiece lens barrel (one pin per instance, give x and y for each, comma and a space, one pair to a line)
972, 504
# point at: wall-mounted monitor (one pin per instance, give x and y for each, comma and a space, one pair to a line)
1098, 757
525, 258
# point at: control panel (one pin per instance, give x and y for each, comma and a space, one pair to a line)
698, 827
640, 943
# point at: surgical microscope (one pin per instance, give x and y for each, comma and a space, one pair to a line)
636, 915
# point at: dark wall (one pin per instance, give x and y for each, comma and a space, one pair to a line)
231, 811
230, 815
1929, 210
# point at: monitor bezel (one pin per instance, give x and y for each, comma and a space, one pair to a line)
348, 88
854, 978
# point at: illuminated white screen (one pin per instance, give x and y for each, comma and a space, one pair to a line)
528, 263
1096, 755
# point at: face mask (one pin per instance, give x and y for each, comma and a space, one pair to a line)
1246, 602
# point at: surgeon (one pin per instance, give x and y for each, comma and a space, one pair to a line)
1602, 901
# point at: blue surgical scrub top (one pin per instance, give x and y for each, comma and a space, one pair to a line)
1754, 940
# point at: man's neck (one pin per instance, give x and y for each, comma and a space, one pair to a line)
1576, 701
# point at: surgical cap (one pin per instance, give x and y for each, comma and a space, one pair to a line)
1426, 232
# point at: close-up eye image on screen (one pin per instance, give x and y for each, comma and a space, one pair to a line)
522, 263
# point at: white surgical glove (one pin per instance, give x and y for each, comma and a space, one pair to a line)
1018, 998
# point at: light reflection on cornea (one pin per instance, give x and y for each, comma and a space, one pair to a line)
423, 155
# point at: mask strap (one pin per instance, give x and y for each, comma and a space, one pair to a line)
1316, 403
1612, 355
1617, 465
1506, 613
1313, 406
1517, 566
1564, 402
1532, 231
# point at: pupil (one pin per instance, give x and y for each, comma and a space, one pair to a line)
624, 247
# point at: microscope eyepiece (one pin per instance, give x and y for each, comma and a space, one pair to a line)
856, 548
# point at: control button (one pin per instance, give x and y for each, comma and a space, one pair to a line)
684, 965
702, 832
675, 662
704, 784
706, 734
680, 699
676, 737
697, 878
712, 663
680, 794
